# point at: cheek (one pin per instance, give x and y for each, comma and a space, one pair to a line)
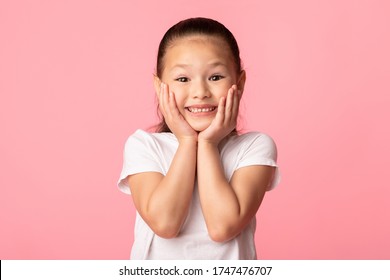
222, 90
179, 96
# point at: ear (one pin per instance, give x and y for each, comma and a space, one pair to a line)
156, 83
241, 81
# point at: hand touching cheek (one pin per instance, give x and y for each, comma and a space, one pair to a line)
174, 119
225, 120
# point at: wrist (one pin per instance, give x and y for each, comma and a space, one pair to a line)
208, 143
188, 141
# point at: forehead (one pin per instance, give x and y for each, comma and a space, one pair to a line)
189, 47
199, 38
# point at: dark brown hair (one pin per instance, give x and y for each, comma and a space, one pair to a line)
194, 26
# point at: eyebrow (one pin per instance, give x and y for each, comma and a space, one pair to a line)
218, 63
213, 64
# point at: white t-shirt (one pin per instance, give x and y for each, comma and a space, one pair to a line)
153, 152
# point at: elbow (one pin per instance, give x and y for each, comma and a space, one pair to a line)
163, 225
221, 234
166, 233
166, 230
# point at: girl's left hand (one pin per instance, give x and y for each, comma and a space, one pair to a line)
225, 120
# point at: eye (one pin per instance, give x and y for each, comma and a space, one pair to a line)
216, 78
182, 79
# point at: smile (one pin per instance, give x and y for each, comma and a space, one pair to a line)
200, 110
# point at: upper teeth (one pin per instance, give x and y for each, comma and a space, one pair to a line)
200, 110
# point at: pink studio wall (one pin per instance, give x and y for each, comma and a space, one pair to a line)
76, 81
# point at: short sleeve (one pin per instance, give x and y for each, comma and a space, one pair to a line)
260, 150
138, 156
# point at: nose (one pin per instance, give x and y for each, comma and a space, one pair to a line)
200, 90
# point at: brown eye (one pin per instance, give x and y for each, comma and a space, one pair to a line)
182, 79
216, 78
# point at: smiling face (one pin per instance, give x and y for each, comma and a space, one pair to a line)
199, 70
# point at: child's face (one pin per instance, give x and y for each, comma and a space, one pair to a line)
200, 70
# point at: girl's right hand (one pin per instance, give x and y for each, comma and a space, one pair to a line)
173, 118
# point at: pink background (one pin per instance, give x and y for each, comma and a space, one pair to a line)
76, 81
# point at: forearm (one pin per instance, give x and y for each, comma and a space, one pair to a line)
220, 204
169, 203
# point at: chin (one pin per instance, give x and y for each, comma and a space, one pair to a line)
200, 127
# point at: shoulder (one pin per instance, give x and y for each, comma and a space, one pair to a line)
253, 139
144, 138
140, 134
256, 136
255, 148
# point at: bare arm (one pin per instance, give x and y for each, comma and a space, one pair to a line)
229, 206
163, 201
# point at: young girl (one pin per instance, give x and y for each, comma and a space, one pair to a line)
196, 183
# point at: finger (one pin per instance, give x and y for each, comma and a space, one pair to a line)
160, 99
221, 110
172, 105
165, 100
236, 105
229, 104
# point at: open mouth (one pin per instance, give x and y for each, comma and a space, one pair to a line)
201, 110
